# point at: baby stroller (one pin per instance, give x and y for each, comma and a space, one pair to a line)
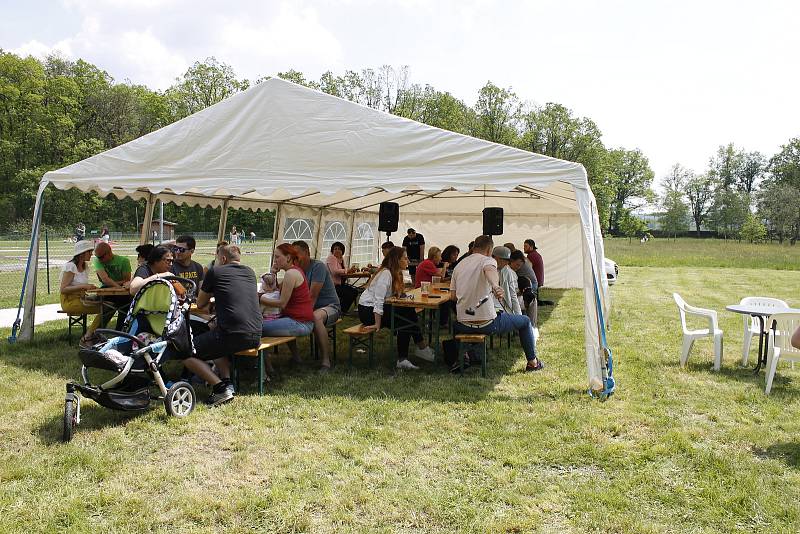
157, 319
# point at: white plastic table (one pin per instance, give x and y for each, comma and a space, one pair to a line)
761, 313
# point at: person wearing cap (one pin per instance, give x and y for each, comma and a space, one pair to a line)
476, 283
509, 303
414, 244
75, 282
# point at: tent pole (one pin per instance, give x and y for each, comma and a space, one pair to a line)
275, 228
223, 220
147, 221
350, 237
318, 233
32, 268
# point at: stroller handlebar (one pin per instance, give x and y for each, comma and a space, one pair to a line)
191, 286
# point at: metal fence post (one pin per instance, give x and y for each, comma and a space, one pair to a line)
47, 258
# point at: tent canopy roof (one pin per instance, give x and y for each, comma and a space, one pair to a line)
279, 142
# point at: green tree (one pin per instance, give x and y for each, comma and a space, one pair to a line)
699, 190
630, 178
779, 204
203, 85
675, 216
753, 231
784, 166
496, 111
630, 225
725, 166
728, 212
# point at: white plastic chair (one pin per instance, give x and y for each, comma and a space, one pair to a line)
780, 340
690, 335
751, 324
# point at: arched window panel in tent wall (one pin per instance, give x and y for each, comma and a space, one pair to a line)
299, 230
334, 231
364, 244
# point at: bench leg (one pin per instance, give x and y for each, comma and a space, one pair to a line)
350, 354
369, 354
261, 373
332, 337
483, 359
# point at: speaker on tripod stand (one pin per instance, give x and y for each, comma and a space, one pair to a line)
388, 218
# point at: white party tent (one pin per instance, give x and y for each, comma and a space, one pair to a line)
325, 164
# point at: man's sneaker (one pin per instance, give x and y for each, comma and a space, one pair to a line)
220, 394
425, 354
405, 364
534, 365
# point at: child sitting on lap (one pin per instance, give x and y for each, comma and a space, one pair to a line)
269, 287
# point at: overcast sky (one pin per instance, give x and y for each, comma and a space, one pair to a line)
675, 79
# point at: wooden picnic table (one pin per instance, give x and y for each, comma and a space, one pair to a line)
430, 303
103, 294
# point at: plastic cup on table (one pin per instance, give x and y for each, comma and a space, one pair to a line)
425, 286
435, 281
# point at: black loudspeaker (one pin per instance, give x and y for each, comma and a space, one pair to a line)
493, 221
388, 217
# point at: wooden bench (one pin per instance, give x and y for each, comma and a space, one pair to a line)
331, 337
357, 335
74, 320
473, 339
258, 352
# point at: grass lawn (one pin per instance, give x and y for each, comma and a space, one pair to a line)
675, 450
689, 252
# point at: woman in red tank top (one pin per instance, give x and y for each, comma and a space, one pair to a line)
297, 310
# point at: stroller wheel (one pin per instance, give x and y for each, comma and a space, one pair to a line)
70, 418
179, 400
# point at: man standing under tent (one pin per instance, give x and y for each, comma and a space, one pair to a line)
537, 264
238, 321
414, 244
476, 282
184, 266
327, 308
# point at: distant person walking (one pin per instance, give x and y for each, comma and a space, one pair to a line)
80, 232
234, 236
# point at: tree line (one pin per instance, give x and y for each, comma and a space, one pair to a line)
742, 195
55, 111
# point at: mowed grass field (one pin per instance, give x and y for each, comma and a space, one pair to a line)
675, 450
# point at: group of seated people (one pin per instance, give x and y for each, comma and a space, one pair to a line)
312, 296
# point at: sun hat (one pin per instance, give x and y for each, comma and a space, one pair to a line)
83, 246
503, 253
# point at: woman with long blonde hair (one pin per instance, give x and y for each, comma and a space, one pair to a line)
372, 308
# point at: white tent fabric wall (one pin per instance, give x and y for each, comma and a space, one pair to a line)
558, 238
313, 157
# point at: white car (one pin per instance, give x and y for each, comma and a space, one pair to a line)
612, 270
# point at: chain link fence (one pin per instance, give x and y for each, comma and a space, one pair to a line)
56, 250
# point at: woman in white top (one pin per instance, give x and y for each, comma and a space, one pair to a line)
75, 282
373, 311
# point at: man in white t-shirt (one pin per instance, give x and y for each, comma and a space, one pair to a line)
476, 284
